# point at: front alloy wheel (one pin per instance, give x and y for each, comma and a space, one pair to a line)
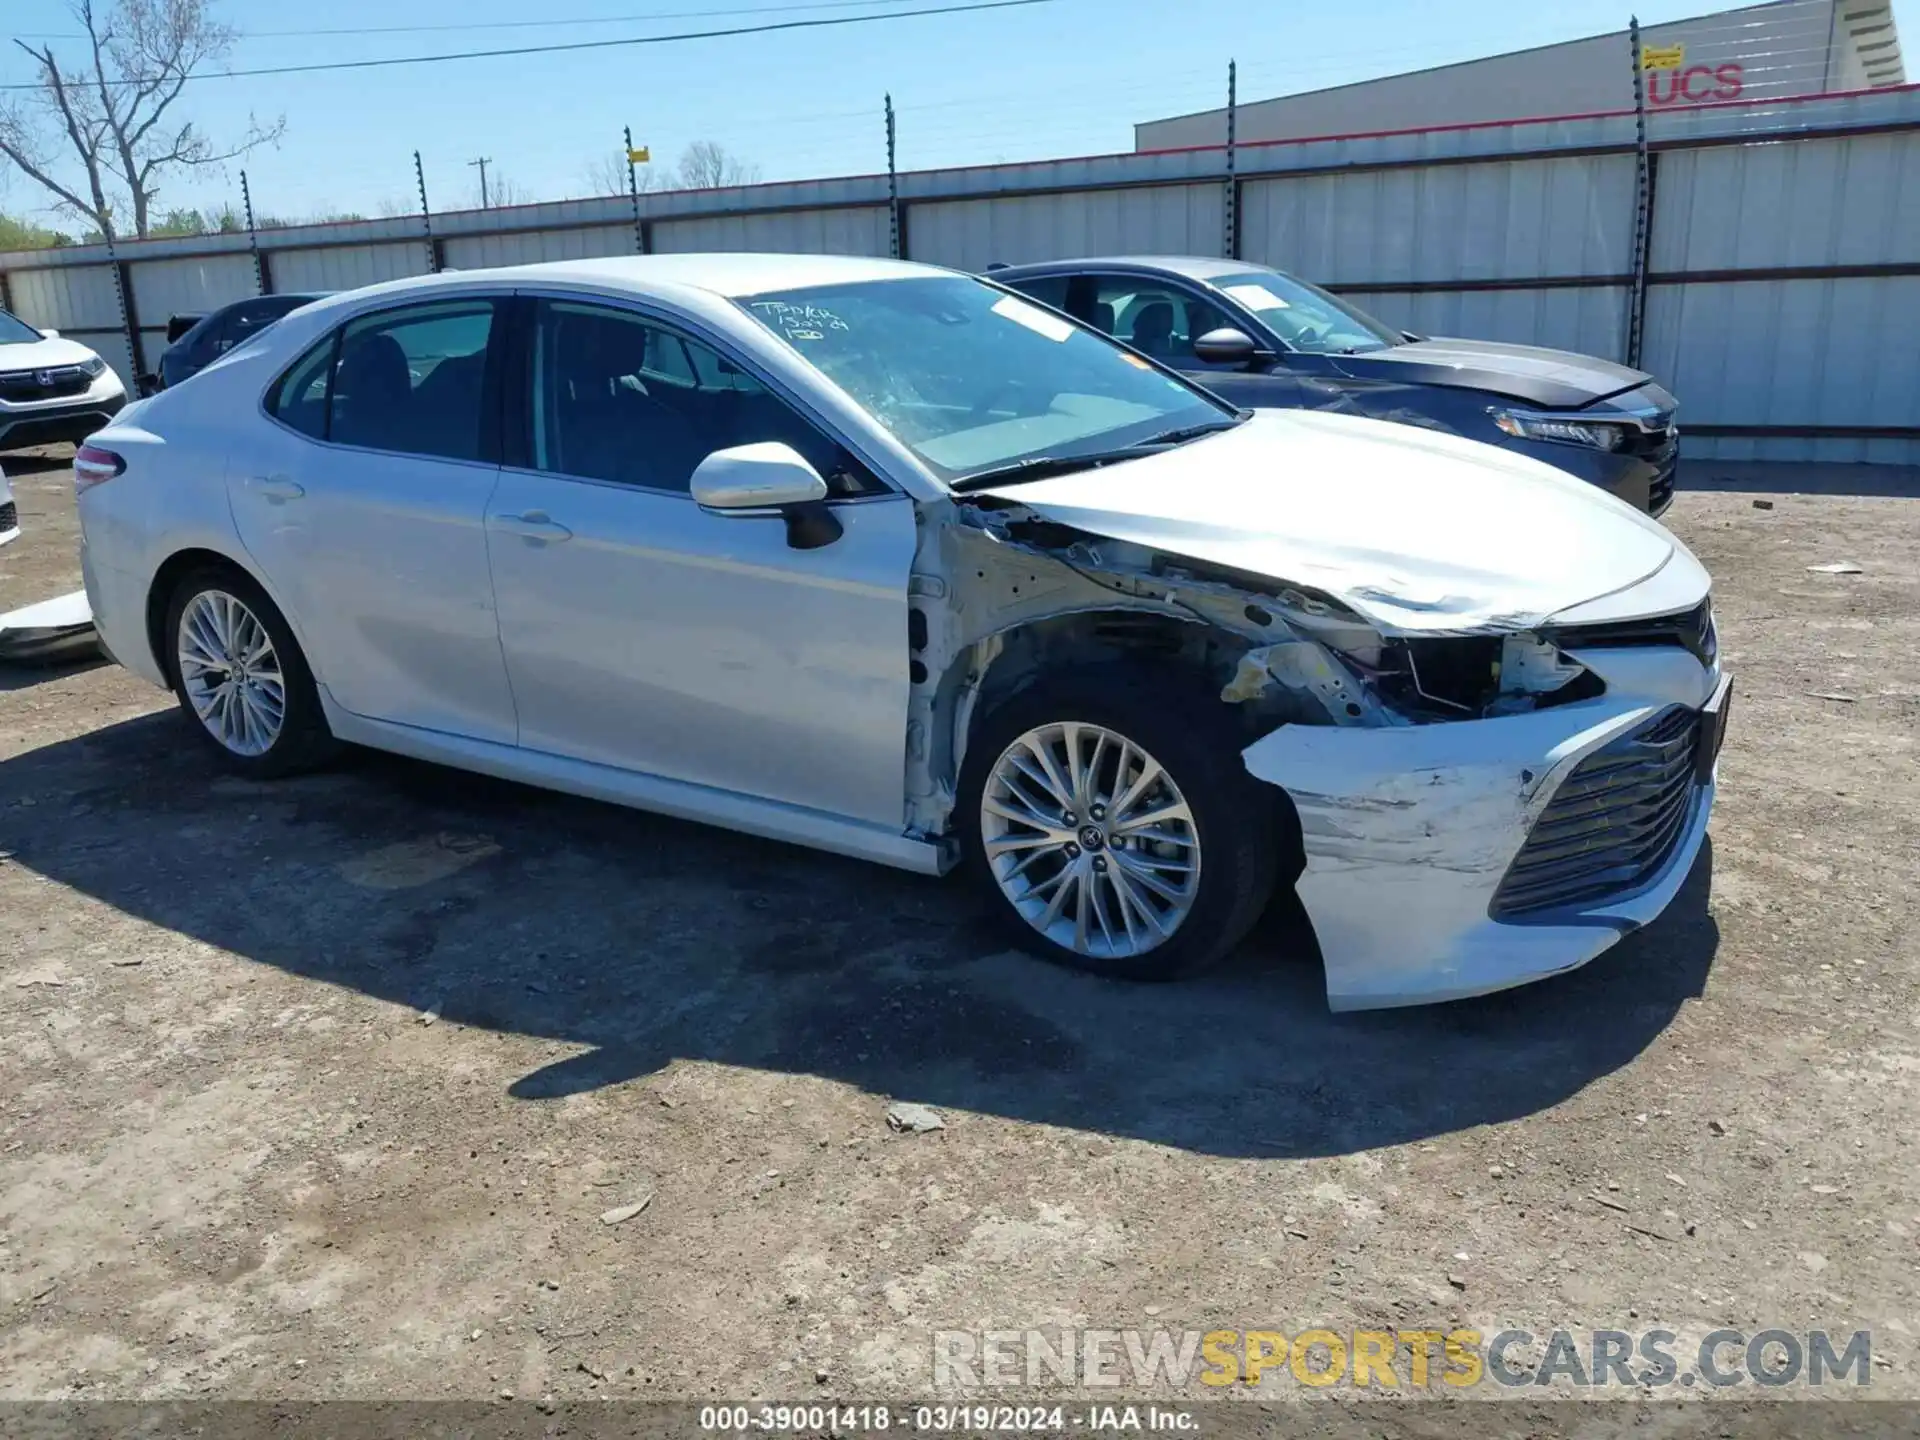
1090, 840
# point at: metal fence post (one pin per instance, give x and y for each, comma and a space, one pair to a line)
896, 241
261, 284
1642, 202
1230, 245
633, 193
129, 322
426, 216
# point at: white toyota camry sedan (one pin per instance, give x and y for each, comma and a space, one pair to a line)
890, 561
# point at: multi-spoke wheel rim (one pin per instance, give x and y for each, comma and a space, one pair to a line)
1090, 840
231, 673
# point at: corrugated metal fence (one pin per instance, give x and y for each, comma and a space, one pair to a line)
1783, 250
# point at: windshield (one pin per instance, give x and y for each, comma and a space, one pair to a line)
1305, 316
14, 331
973, 379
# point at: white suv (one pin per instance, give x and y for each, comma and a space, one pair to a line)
51, 388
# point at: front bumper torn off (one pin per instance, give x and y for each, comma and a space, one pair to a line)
1408, 832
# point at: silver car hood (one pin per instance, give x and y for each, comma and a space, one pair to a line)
1418, 531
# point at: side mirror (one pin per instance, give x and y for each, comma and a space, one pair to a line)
49, 334
768, 475
178, 325
1226, 347
1411, 338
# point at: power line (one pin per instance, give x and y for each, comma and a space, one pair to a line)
518, 24
576, 45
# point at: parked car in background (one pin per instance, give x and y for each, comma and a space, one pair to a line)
51, 388
1260, 339
202, 339
892, 562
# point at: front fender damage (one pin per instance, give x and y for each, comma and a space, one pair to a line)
1001, 594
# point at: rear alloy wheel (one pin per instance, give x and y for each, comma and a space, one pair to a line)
1114, 826
230, 674
240, 676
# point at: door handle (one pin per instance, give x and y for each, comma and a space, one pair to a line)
534, 525
277, 488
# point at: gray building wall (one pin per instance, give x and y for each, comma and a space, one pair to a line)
1792, 47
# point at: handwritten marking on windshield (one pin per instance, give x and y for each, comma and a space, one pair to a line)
800, 322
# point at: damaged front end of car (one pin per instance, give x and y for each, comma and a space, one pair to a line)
1419, 764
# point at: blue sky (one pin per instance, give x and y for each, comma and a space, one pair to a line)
1068, 77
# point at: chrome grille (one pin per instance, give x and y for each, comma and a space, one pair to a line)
49, 384
1659, 445
1612, 825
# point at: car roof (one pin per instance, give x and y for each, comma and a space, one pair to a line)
1189, 267
727, 275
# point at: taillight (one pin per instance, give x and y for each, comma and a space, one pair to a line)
94, 466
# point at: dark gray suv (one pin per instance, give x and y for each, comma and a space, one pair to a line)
1262, 339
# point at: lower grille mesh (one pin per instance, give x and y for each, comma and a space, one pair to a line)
9, 517
1613, 823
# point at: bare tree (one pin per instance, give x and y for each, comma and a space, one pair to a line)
607, 175
706, 165
99, 131
503, 190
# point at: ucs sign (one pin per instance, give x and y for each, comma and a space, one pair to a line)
1695, 85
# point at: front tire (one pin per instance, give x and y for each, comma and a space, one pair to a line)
1111, 826
240, 678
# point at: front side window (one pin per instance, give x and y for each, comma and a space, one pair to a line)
1305, 316
619, 397
1159, 320
414, 380
971, 378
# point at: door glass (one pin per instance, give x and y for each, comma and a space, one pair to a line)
1156, 319
414, 380
618, 397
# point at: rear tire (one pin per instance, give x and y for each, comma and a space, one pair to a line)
1157, 824
240, 677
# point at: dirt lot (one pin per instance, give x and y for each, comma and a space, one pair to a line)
241, 1157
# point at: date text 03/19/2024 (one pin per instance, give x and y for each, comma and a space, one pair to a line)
943, 1419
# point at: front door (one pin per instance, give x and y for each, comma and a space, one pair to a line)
1163, 320
643, 632
364, 508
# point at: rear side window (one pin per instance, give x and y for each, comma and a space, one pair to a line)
300, 399
414, 380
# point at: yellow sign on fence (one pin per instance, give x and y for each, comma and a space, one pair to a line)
1662, 57
641, 155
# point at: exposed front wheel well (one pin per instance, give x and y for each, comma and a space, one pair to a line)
1180, 662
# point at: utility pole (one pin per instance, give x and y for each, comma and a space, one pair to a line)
482, 162
893, 189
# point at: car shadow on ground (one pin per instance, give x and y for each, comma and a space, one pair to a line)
643, 940
19, 463
24, 676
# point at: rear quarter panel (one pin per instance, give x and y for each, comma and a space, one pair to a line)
172, 497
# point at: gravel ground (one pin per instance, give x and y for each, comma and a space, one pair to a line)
323, 1089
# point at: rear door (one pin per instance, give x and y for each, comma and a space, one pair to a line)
364, 505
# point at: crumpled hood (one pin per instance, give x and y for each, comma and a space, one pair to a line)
43, 354
1418, 531
1553, 379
